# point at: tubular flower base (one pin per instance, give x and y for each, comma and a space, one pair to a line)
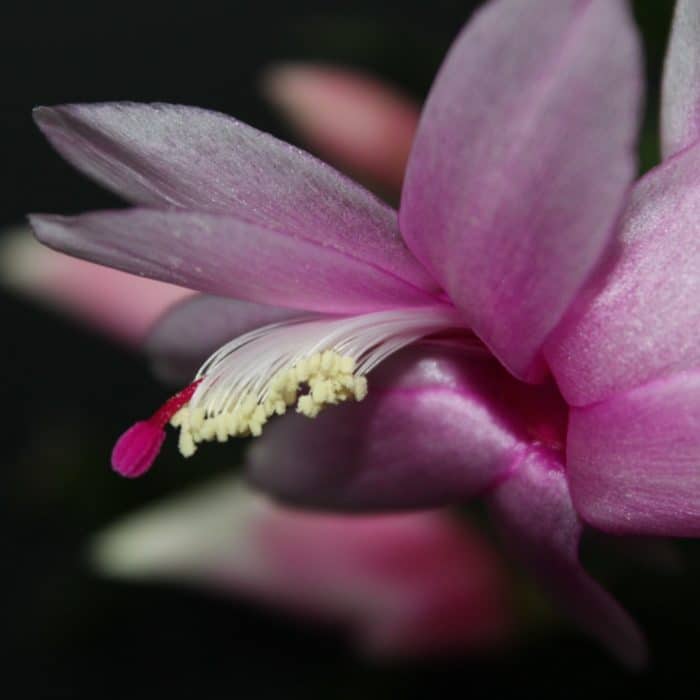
528, 325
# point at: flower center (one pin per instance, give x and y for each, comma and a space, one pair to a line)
309, 363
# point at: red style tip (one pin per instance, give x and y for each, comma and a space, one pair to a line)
137, 449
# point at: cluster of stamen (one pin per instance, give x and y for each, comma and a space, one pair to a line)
309, 363
313, 383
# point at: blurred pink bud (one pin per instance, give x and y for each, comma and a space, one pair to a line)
356, 121
120, 304
412, 584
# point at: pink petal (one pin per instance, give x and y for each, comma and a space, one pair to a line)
122, 305
352, 119
189, 332
168, 156
400, 585
539, 522
680, 100
225, 256
436, 428
634, 460
521, 164
642, 318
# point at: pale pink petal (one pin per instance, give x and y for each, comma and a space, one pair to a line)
438, 426
400, 585
521, 163
680, 97
356, 121
540, 524
191, 331
122, 305
634, 459
225, 256
166, 156
641, 318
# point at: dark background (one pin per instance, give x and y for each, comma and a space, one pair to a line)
68, 391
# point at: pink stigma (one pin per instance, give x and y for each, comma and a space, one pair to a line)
138, 447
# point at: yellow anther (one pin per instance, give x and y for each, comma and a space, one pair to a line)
314, 364
328, 378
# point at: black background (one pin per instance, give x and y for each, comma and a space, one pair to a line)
67, 391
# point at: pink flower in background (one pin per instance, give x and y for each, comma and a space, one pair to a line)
352, 119
515, 234
411, 584
122, 305
400, 585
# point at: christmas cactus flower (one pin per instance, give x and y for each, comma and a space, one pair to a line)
526, 322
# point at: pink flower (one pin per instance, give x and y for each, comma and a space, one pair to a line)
551, 367
411, 584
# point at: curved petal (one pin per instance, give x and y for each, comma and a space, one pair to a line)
642, 318
225, 256
634, 460
167, 156
434, 429
125, 307
401, 584
353, 119
539, 522
680, 95
521, 163
191, 331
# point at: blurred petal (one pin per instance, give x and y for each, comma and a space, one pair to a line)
225, 256
166, 156
189, 332
680, 98
356, 121
540, 524
634, 460
522, 159
434, 429
642, 318
125, 306
406, 584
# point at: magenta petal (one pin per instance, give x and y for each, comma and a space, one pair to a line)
521, 163
191, 331
166, 156
225, 256
643, 318
634, 460
431, 431
538, 520
680, 101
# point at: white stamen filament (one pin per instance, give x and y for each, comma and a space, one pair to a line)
313, 362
